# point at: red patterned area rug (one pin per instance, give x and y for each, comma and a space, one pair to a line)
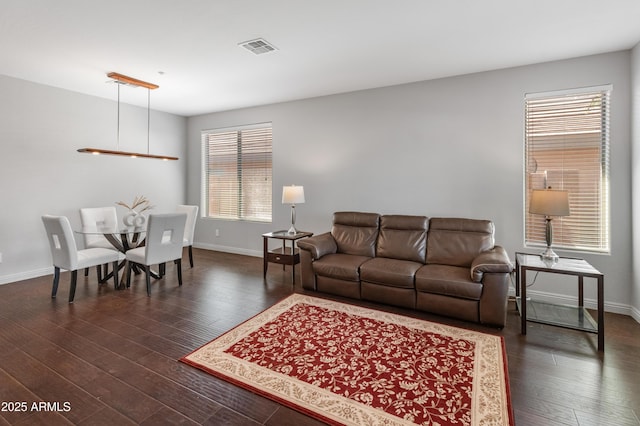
344, 364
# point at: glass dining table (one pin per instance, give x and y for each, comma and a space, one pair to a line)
122, 238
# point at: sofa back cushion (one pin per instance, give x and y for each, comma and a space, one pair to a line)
356, 233
403, 237
456, 242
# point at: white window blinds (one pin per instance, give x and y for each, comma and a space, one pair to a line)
238, 173
567, 148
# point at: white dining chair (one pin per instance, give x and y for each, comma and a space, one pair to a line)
189, 228
98, 217
66, 255
165, 234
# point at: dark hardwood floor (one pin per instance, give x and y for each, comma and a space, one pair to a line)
111, 357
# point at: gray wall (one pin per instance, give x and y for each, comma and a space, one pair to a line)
41, 128
448, 147
635, 164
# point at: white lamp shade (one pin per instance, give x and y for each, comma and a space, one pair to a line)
549, 202
292, 194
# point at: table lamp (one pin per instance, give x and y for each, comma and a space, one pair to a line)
293, 195
549, 202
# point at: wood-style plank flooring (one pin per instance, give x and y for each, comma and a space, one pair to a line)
111, 357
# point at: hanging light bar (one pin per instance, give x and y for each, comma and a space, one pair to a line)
131, 81
121, 79
98, 151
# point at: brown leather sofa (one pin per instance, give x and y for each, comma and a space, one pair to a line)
447, 266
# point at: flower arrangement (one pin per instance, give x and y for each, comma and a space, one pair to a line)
138, 201
134, 218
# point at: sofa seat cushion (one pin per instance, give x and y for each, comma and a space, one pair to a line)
340, 266
447, 280
391, 272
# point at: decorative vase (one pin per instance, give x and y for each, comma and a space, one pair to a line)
140, 220
128, 218
133, 218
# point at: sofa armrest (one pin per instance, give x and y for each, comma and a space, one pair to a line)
319, 245
495, 260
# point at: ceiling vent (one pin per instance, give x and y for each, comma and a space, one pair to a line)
258, 46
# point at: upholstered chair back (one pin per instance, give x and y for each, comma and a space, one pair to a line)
165, 234
190, 226
456, 242
403, 237
98, 217
355, 232
61, 242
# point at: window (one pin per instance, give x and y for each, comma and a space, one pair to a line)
237, 173
567, 148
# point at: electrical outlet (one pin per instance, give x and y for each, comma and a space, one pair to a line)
217, 232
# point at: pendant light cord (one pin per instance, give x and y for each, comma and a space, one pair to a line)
118, 120
148, 118
148, 121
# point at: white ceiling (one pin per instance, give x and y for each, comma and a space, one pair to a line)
325, 46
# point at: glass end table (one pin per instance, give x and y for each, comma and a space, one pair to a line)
567, 316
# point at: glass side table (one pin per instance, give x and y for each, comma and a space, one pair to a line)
574, 317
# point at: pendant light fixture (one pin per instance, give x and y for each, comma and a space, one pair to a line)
129, 81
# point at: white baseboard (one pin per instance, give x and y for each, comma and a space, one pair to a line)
6, 279
227, 249
616, 308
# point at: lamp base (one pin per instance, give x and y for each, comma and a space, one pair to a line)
293, 230
549, 256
